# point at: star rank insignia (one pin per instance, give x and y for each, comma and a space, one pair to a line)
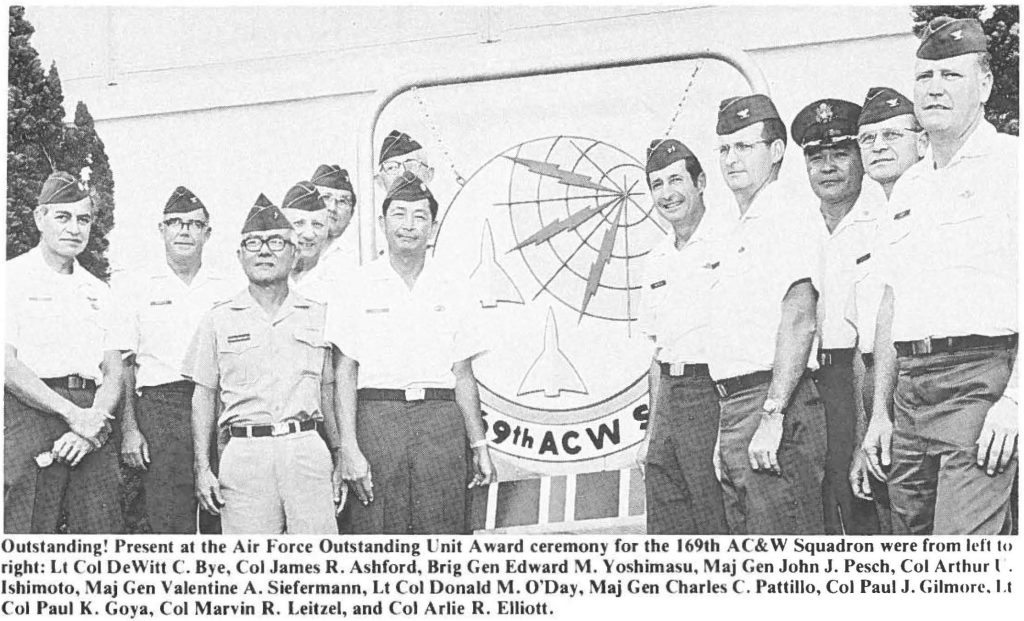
744, 113
823, 113
957, 35
892, 102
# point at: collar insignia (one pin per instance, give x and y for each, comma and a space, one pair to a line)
957, 35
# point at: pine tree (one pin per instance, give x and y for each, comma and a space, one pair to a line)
1002, 27
39, 143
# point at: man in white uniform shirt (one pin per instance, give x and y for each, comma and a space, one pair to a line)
946, 342
63, 368
161, 309
405, 394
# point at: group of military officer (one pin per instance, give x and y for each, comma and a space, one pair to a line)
840, 364
261, 402
848, 368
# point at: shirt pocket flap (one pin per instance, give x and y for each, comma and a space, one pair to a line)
311, 336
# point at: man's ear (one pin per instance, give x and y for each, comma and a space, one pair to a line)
778, 149
702, 182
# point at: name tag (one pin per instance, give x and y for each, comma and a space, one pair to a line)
655, 285
901, 215
160, 303
238, 338
39, 299
371, 311
863, 258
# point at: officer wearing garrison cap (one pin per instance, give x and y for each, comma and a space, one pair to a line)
406, 395
262, 356
399, 154
62, 377
683, 494
335, 187
308, 214
826, 130
946, 338
160, 310
891, 141
772, 430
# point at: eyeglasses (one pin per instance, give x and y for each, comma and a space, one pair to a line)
343, 199
741, 148
176, 224
889, 136
276, 243
411, 165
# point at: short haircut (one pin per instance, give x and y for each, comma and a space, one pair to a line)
92, 205
431, 202
984, 62
692, 166
774, 129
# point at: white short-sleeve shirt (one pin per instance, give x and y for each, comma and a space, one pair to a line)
401, 337
948, 245
160, 314
60, 324
776, 243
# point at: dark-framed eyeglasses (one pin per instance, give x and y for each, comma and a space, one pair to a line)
176, 224
276, 243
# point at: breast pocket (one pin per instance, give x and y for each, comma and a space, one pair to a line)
965, 232
311, 350
239, 359
41, 324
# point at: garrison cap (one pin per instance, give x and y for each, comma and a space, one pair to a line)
409, 188
303, 195
945, 37
265, 216
62, 187
735, 113
665, 151
883, 103
397, 143
332, 176
826, 122
182, 200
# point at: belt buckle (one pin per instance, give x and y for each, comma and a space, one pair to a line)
415, 394
922, 347
75, 382
676, 369
281, 429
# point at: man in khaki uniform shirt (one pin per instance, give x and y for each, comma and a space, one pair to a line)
161, 308
60, 345
263, 356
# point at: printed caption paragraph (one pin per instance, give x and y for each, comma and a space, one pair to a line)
465, 576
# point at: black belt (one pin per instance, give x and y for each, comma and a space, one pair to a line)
869, 359
408, 394
279, 429
949, 344
679, 369
829, 357
733, 385
71, 382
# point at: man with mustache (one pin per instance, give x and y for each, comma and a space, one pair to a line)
683, 494
263, 358
891, 141
406, 395
826, 130
944, 429
161, 309
63, 370
772, 430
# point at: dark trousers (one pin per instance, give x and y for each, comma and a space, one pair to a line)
164, 416
762, 502
420, 468
34, 497
683, 494
935, 484
844, 513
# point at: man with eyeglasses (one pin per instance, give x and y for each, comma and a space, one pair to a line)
309, 216
946, 337
263, 358
406, 396
683, 495
772, 430
399, 154
826, 130
335, 187
891, 141
161, 308
62, 377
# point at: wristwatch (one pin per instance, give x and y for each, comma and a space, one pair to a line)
771, 407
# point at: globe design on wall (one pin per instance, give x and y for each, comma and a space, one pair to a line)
552, 233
